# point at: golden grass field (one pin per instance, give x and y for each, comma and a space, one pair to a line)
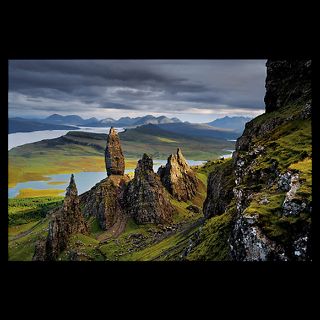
32, 193
23, 170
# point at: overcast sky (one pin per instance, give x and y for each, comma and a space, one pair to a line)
192, 90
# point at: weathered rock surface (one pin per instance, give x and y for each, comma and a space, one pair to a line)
178, 178
248, 242
66, 221
287, 81
269, 202
114, 158
105, 200
147, 200
294, 204
219, 190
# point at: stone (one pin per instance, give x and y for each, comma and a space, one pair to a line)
40, 250
178, 178
287, 81
264, 201
105, 201
147, 201
248, 242
221, 182
293, 204
114, 158
64, 222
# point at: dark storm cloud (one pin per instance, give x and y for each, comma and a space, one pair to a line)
158, 85
112, 105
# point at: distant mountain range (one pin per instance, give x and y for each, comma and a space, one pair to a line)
132, 122
227, 127
26, 125
69, 122
236, 124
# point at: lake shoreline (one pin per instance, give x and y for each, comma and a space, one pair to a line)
85, 180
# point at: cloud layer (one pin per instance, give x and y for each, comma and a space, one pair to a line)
191, 89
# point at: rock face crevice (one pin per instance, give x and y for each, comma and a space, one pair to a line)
114, 158
178, 178
65, 222
146, 199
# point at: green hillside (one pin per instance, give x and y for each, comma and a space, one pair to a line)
82, 151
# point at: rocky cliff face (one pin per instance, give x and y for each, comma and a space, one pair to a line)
147, 200
272, 166
267, 208
105, 201
287, 82
65, 222
220, 189
288, 87
178, 178
114, 158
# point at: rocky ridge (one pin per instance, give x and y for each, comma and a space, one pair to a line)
178, 178
147, 200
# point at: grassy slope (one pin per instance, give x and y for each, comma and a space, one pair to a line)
26, 213
80, 151
22, 249
289, 145
26, 210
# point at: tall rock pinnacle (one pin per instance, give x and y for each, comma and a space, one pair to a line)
147, 201
178, 178
66, 221
113, 155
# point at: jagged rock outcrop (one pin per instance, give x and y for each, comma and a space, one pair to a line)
106, 201
273, 221
64, 222
114, 158
178, 178
220, 189
287, 82
147, 200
